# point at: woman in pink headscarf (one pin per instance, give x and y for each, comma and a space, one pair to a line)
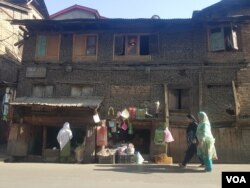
64, 136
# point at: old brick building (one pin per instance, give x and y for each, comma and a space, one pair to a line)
10, 50
73, 68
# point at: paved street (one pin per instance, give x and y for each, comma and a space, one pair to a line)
42, 175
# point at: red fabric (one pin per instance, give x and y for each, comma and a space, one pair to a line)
101, 136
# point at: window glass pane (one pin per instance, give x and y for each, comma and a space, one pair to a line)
91, 41
144, 45
38, 91
91, 51
87, 91
48, 91
76, 91
217, 41
41, 46
91, 45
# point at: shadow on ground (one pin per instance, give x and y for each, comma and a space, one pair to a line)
147, 169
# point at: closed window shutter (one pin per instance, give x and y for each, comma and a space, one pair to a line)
184, 99
153, 44
119, 45
217, 41
53, 47
173, 99
48, 91
41, 46
79, 45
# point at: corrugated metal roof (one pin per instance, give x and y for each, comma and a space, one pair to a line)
91, 102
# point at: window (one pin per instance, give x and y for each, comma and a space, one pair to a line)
47, 47
78, 91
223, 39
84, 47
42, 91
178, 99
131, 45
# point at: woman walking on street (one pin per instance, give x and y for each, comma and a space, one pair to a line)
191, 141
206, 149
64, 136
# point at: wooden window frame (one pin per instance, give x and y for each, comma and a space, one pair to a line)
81, 87
222, 28
179, 100
84, 56
43, 87
135, 57
46, 57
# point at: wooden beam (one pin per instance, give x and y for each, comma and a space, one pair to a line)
166, 110
237, 107
39, 120
44, 139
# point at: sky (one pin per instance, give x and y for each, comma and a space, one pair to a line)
135, 8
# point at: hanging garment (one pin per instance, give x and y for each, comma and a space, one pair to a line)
101, 136
159, 138
168, 136
5, 104
124, 126
111, 124
130, 129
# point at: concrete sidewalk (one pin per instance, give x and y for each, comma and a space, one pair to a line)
40, 175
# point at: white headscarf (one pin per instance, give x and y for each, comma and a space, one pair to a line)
64, 135
203, 118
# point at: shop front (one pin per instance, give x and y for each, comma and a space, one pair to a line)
37, 121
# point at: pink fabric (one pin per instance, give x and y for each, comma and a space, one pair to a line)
168, 136
124, 126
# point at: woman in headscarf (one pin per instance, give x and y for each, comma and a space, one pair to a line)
206, 149
64, 136
191, 141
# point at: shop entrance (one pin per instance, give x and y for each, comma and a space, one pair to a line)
141, 140
52, 132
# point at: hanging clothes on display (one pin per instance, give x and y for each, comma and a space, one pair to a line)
102, 135
163, 136
159, 137
5, 104
168, 136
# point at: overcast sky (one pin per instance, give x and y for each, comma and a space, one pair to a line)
135, 8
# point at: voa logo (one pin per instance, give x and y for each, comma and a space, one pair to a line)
236, 179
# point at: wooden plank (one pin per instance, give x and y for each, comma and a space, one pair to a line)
166, 106
40, 120
53, 47
44, 139
236, 102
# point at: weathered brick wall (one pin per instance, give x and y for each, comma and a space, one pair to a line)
243, 91
188, 45
8, 70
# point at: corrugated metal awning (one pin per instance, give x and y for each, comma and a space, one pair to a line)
91, 102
